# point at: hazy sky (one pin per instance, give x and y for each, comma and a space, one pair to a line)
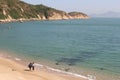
86, 6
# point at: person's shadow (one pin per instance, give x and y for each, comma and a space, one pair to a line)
26, 70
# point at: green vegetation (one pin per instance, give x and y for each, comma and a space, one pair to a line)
76, 13
14, 13
17, 9
2, 16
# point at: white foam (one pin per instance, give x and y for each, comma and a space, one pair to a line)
17, 59
57, 70
38, 65
89, 77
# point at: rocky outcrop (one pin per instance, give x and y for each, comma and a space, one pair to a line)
78, 15
54, 15
12, 10
62, 15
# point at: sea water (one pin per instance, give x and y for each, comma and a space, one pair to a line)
90, 46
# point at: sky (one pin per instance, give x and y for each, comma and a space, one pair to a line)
86, 6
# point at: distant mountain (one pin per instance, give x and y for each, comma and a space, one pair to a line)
107, 14
11, 10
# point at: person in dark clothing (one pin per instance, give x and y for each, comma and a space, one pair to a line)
31, 66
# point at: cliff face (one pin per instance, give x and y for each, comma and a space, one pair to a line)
19, 10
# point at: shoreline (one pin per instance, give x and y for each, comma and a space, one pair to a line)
33, 19
18, 20
89, 73
76, 69
42, 68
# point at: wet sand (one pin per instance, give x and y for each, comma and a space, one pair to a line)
11, 70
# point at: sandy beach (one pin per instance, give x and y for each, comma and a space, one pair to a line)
11, 70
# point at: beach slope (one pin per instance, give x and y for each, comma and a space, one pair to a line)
11, 70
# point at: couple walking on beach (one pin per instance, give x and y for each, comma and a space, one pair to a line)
31, 66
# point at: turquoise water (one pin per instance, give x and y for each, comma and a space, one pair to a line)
93, 43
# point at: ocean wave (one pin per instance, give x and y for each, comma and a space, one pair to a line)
88, 77
17, 59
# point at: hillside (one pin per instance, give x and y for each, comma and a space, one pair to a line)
78, 15
11, 10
